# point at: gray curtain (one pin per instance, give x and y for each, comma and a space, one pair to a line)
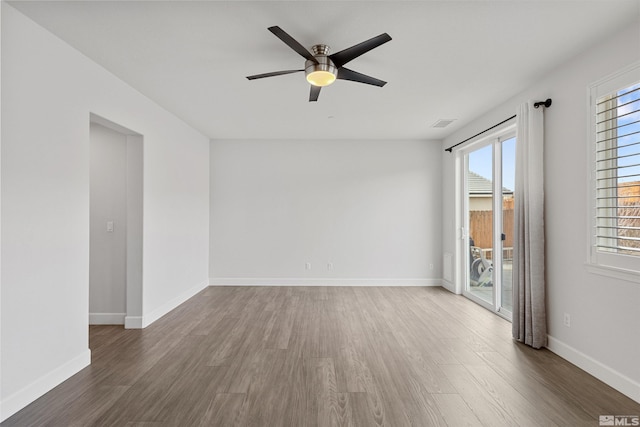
529, 314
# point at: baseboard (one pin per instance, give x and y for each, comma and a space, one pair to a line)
449, 286
615, 379
277, 281
165, 308
33, 391
106, 318
133, 322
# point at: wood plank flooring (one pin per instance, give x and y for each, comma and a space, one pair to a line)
323, 356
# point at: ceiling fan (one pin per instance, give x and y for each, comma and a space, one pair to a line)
322, 69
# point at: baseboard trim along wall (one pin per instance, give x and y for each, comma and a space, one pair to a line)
615, 379
449, 286
165, 308
277, 281
106, 318
33, 391
133, 322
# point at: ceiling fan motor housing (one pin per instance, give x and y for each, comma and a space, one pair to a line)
324, 72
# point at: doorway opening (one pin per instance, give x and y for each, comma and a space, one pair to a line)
115, 218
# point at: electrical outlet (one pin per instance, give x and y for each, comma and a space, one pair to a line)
307, 266
329, 266
430, 266
567, 320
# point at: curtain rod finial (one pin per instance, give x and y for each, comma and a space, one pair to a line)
546, 103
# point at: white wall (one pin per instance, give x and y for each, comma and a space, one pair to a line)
1, 133
604, 337
108, 204
371, 208
135, 228
48, 93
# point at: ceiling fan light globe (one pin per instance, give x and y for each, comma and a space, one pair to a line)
322, 72
321, 78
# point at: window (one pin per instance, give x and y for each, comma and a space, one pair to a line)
615, 178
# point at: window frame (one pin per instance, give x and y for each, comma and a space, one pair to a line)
611, 264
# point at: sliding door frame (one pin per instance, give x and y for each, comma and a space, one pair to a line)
494, 140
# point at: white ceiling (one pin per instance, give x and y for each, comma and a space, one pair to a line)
447, 59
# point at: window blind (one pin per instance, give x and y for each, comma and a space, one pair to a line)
617, 172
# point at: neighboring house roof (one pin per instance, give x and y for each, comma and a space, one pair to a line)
479, 185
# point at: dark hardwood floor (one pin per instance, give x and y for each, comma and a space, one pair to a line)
323, 356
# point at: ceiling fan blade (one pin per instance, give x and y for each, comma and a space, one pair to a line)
354, 76
272, 74
314, 93
292, 43
350, 53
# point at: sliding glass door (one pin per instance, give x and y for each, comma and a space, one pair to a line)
488, 215
507, 191
479, 183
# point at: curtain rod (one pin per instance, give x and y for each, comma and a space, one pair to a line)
546, 103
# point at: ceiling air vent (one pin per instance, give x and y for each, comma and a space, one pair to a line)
443, 123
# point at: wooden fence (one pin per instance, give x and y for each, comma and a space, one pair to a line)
481, 228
